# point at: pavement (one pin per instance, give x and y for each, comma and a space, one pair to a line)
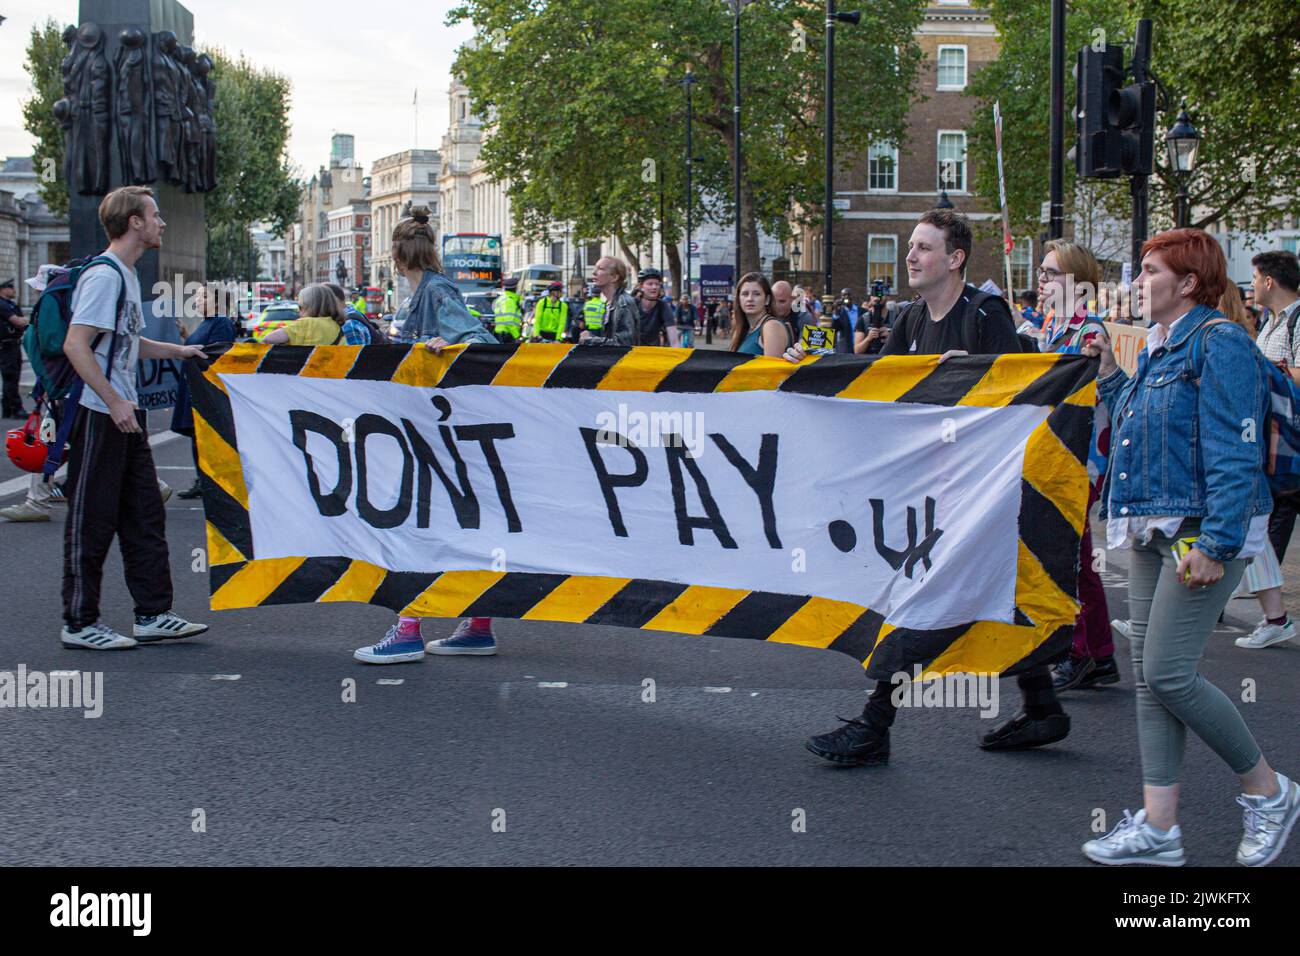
238, 747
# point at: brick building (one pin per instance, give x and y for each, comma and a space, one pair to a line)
888, 189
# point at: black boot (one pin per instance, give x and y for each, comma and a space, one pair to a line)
1071, 672
1105, 672
1022, 732
857, 744
193, 491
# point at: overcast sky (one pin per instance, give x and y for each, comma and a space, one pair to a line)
355, 67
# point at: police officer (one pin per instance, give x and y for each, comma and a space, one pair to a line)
508, 312
593, 311
551, 314
12, 326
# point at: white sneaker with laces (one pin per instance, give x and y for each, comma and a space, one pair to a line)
1123, 628
165, 626
1135, 841
1266, 635
25, 511
165, 490
1267, 822
97, 637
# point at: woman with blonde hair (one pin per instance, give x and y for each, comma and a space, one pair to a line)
1068, 275
1234, 309
319, 322
438, 317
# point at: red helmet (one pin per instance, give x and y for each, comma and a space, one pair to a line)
26, 450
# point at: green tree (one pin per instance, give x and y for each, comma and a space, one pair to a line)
1234, 65
255, 180
45, 51
587, 112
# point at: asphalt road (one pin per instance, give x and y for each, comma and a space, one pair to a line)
554, 732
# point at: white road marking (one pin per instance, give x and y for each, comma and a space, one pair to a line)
389, 682
717, 690
552, 683
226, 676
19, 485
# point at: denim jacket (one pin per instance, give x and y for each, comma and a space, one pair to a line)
436, 309
1183, 448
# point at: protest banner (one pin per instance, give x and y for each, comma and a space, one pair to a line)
159, 379
894, 509
1128, 341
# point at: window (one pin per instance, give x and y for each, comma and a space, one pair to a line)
1291, 244
431, 178
557, 253
882, 168
952, 160
1022, 266
882, 259
952, 68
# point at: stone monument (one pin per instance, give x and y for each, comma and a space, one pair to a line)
138, 108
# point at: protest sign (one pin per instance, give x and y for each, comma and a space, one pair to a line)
894, 509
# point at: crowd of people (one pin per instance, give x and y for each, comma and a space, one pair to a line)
1178, 486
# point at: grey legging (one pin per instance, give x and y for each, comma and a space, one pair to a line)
1170, 627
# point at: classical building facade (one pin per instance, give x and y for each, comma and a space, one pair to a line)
398, 182
30, 235
340, 184
884, 192
346, 242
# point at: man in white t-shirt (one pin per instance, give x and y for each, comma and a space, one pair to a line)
112, 487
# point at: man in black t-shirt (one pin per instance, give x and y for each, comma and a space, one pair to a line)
655, 314
950, 318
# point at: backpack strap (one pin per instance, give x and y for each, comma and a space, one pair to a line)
117, 312
1196, 351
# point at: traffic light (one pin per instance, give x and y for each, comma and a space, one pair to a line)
1097, 73
1115, 123
1131, 113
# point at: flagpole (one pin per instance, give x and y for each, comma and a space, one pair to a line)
415, 101
1008, 243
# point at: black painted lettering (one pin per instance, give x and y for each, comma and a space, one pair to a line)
464, 503
487, 436
366, 426
761, 480
608, 482
679, 457
334, 503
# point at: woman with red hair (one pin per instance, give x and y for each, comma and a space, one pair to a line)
1186, 491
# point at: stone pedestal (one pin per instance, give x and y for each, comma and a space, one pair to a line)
184, 249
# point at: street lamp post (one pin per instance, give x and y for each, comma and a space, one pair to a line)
944, 202
737, 6
688, 81
1182, 141
829, 206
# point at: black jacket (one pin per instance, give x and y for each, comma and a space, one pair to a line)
8, 331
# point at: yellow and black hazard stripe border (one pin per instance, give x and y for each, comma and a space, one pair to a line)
1053, 499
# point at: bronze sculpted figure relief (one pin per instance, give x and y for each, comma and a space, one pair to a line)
93, 113
156, 99
134, 122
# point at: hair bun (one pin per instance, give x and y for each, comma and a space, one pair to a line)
420, 214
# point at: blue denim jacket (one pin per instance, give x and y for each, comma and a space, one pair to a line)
437, 309
1179, 448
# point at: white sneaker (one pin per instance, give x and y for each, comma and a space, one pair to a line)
1123, 628
97, 637
165, 490
1135, 841
1267, 823
25, 511
1266, 635
165, 626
